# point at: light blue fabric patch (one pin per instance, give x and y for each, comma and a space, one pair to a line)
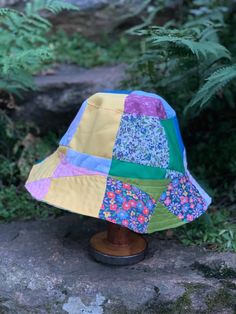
39, 161
206, 197
65, 140
89, 162
116, 91
169, 111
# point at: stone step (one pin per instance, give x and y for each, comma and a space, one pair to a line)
45, 268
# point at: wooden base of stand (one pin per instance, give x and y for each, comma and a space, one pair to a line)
118, 246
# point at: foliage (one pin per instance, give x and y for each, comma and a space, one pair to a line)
19, 149
25, 48
211, 150
152, 9
86, 53
185, 40
194, 55
15, 203
214, 84
191, 61
216, 231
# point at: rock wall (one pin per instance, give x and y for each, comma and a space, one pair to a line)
60, 95
98, 17
95, 17
45, 268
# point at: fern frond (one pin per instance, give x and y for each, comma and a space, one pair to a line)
22, 81
214, 83
39, 21
5, 12
25, 49
200, 49
146, 21
25, 60
54, 6
11, 88
188, 42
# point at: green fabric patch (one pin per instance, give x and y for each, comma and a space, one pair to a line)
152, 179
152, 187
133, 170
176, 159
162, 219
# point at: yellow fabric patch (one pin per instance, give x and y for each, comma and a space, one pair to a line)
98, 128
81, 194
108, 101
46, 168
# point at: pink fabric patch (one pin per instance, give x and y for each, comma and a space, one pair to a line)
65, 169
38, 189
144, 105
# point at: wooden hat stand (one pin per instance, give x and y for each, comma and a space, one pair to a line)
118, 246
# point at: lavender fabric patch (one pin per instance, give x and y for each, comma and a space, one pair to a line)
168, 109
144, 105
65, 169
39, 188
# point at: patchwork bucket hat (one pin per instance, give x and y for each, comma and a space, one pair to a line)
122, 160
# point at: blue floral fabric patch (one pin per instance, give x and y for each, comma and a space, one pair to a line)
142, 139
127, 205
183, 199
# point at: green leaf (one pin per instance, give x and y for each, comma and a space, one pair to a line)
54, 6
214, 84
25, 50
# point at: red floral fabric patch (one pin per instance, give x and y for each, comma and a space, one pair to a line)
127, 205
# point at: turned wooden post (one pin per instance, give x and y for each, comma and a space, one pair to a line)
118, 235
118, 246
